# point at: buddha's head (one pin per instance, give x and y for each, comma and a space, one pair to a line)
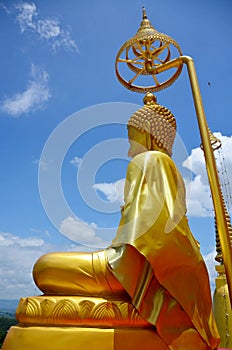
152, 127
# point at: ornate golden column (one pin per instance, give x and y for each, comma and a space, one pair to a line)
221, 300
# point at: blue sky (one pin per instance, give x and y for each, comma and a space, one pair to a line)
63, 148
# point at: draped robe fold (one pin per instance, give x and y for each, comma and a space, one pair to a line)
156, 258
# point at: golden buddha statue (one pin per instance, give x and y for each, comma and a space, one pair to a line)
153, 269
153, 265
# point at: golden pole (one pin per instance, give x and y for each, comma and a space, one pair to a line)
215, 187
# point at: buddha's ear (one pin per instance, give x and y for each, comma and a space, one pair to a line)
148, 135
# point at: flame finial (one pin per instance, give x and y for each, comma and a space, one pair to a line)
144, 13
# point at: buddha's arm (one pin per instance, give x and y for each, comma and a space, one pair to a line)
154, 196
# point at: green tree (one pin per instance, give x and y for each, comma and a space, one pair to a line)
5, 323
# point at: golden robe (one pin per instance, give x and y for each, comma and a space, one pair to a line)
156, 258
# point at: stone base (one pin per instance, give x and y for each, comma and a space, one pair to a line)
49, 322
78, 338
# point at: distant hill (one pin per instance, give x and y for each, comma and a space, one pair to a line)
8, 305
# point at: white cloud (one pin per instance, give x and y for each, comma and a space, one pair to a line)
41, 164
26, 13
224, 161
7, 239
81, 232
49, 29
43, 232
210, 264
76, 161
198, 191
17, 258
199, 203
114, 191
33, 98
196, 163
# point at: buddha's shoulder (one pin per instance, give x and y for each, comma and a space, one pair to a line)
153, 162
151, 156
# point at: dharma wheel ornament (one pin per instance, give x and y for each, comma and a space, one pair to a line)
148, 46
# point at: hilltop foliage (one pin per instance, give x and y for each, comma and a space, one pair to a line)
5, 323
